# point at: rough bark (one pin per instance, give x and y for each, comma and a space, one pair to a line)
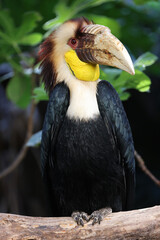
132, 225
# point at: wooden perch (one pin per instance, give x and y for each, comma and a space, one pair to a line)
132, 225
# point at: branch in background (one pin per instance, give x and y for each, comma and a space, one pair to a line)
138, 224
145, 169
24, 148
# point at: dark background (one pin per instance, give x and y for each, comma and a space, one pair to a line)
22, 191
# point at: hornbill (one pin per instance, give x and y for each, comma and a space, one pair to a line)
87, 152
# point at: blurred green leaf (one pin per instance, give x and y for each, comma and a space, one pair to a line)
35, 140
6, 51
140, 2
31, 39
15, 64
109, 22
124, 96
6, 22
19, 90
65, 12
28, 24
154, 5
95, 3
109, 74
12, 37
139, 81
145, 60
80, 5
6, 38
49, 24
40, 94
123, 81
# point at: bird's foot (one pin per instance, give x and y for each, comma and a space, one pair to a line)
80, 217
99, 215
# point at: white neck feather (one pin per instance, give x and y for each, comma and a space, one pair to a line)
83, 101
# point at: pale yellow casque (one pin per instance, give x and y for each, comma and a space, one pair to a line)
83, 71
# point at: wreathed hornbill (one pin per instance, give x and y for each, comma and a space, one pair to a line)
87, 151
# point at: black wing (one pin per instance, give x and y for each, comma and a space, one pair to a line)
114, 116
56, 111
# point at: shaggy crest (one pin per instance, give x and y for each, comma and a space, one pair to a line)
47, 49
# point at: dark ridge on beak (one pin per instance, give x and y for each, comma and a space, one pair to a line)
85, 50
86, 55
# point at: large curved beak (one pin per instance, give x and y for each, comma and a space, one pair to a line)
98, 45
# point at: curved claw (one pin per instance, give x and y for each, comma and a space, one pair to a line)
78, 217
96, 219
97, 216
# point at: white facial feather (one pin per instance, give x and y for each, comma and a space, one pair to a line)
83, 102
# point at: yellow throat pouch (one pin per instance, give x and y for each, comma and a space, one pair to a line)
83, 71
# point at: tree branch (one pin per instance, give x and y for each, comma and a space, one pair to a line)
137, 224
145, 169
24, 148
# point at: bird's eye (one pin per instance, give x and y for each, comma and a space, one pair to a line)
73, 42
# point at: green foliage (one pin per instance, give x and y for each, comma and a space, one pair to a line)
19, 90
134, 22
145, 60
64, 11
12, 38
29, 23
40, 94
139, 81
31, 39
124, 81
141, 1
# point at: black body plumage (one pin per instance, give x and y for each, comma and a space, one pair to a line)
88, 165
